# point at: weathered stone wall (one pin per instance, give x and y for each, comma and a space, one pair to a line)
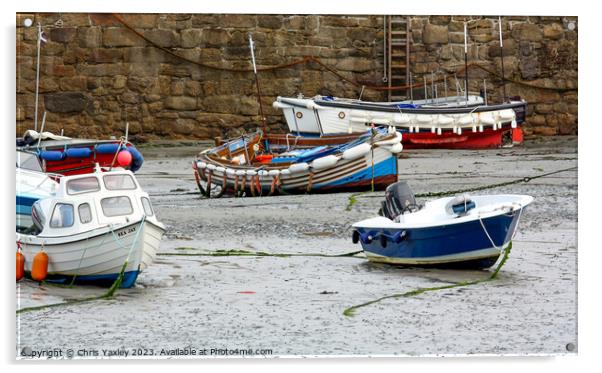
96, 74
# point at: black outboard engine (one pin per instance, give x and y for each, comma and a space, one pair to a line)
399, 199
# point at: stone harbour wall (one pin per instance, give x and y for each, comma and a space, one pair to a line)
96, 74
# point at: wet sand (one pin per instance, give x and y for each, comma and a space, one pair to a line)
294, 305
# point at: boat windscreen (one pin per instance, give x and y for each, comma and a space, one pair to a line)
28, 161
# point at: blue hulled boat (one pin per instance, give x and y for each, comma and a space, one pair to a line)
461, 231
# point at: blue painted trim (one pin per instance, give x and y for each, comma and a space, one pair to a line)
383, 168
129, 279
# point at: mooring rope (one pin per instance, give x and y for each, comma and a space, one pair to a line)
236, 252
353, 197
351, 310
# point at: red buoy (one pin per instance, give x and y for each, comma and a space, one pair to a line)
20, 265
124, 158
39, 268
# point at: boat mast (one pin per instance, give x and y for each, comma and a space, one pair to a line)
257, 84
466, 61
502, 57
40, 38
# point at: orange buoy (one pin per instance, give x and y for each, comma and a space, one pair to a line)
39, 268
20, 265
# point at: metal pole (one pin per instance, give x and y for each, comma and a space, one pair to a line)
502, 57
466, 61
411, 89
425, 90
432, 87
35, 117
485, 90
257, 84
445, 84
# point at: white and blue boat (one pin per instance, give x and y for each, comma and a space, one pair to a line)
462, 231
94, 227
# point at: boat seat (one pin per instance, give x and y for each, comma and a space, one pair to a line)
460, 205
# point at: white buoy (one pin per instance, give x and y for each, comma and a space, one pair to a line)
27, 22
481, 128
474, 128
432, 129
513, 124
439, 131
455, 129
417, 129
459, 131
411, 129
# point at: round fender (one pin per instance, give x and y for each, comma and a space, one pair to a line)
487, 118
396, 148
52, 155
251, 172
356, 152
444, 120
298, 167
273, 173
220, 169
355, 237
285, 172
201, 164
230, 171
262, 173
211, 167
324, 162
401, 118
240, 172
465, 120
78, 152
383, 240
423, 119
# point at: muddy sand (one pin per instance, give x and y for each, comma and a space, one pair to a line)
293, 305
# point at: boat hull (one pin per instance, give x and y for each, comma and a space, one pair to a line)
426, 130
96, 257
462, 244
378, 170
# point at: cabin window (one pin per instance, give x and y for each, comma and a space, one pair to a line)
116, 206
85, 213
119, 182
83, 185
146, 204
62, 216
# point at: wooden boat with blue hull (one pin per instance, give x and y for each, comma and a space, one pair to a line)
254, 165
461, 231
95, 226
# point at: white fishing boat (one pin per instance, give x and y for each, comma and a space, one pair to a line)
324, 115
95, 227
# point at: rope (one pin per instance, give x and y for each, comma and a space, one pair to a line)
351, 310
308, 59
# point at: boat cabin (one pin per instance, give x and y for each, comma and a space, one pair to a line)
86, 202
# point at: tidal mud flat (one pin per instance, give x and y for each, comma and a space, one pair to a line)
293, 304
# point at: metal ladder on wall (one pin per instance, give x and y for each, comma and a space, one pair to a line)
398, 55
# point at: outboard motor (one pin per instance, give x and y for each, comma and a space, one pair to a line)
399, 199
